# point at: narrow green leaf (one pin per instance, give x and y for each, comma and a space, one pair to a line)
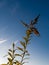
25, 58
20, 48
23, 44
18, 55
26, 39
10, 50
14, 62
7, 63
24, 63
27, 54
13, 45
26, 51
9, 59
10, 54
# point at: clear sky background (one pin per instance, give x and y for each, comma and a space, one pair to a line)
11, 30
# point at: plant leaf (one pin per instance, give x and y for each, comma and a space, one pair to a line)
35, 20
7, 63
26, 51
10, 54
20, 48
9, 59
24, 63
13, 45
36, 32
27, 54
18, 55
10, 50
25, 58
23, 44
14, 62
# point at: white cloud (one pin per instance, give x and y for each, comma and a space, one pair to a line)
16, 41
2, 41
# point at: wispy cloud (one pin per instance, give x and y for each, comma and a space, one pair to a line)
16, 41
2, 41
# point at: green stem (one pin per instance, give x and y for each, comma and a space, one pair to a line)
27, 36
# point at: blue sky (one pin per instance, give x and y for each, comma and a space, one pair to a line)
11, 30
